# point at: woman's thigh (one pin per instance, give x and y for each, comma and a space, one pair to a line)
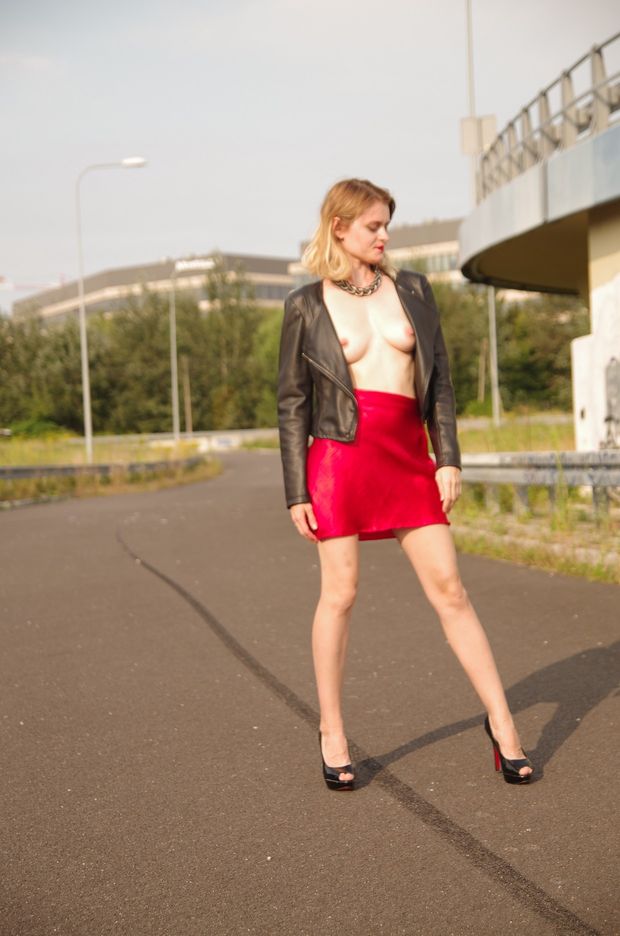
431, 551
339, 558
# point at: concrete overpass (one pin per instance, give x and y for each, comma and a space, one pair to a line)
547, 218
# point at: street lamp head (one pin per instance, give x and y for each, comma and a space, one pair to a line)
133, 162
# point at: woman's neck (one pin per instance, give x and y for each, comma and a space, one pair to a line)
361, 273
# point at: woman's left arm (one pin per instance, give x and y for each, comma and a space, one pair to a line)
442, 427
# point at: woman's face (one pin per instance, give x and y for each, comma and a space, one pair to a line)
365, 237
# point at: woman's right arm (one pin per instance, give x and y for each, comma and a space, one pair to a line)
294, 405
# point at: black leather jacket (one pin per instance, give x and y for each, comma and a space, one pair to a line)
315, 391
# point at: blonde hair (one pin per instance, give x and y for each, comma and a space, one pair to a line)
324, 255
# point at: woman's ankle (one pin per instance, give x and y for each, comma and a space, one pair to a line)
331, 728
502, 719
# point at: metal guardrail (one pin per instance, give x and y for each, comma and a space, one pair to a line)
549, 469
14, 472
599, 471
212, 440
527, 139
208, 439
594, 469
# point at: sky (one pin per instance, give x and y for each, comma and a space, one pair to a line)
247, 112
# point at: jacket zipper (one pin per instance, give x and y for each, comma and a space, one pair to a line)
329, 374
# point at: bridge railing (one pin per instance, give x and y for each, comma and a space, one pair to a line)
538, 131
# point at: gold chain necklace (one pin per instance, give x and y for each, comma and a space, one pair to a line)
361, 290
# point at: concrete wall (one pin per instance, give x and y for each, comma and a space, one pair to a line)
591, 356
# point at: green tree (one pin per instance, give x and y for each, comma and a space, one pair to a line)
227, 368
136, 360
20, 347
265, 357
464, 324
56, 382
534, 350
533, 339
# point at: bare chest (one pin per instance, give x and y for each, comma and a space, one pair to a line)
370, 325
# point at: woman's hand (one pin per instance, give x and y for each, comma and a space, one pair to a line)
303, 517
448, 481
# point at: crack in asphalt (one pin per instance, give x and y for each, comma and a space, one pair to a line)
519, 886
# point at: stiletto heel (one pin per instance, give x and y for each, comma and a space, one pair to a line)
509, 768
331, 774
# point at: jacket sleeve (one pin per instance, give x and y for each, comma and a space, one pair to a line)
441, 422
294, 405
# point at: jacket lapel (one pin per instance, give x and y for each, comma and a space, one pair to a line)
423, 319
325, 345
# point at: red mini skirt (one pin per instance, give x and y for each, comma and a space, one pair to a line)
382, 481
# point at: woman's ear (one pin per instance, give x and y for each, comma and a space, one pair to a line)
337, 227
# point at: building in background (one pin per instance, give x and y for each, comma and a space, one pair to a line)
108, 291
431, 247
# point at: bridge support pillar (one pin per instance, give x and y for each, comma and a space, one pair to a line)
596, 357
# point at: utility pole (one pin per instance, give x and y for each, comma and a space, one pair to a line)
131, 162
197, 264
474, 134
187, 394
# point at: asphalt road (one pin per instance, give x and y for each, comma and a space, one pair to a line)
161, 771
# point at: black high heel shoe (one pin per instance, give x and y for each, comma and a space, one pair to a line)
509, 768
331, 774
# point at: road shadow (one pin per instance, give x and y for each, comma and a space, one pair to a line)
575, 685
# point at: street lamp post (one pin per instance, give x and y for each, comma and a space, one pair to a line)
131, 162
179, 267
174, 378
482, 128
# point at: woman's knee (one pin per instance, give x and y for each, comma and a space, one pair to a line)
339, 597
448, 592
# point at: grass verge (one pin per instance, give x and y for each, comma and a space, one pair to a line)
262, 442
563, 535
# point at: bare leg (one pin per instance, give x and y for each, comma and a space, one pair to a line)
431, 551
330, 637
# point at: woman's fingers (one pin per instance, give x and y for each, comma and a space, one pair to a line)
449, 499
311, 518
303, 517
449, 484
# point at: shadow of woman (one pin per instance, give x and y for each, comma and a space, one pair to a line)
575, 685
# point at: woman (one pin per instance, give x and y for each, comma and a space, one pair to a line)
363, 366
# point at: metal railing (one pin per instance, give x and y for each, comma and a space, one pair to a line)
16, 472
209, 441
599, 471
528, 138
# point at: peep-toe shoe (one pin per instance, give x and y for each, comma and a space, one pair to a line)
331, 774
509, 768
